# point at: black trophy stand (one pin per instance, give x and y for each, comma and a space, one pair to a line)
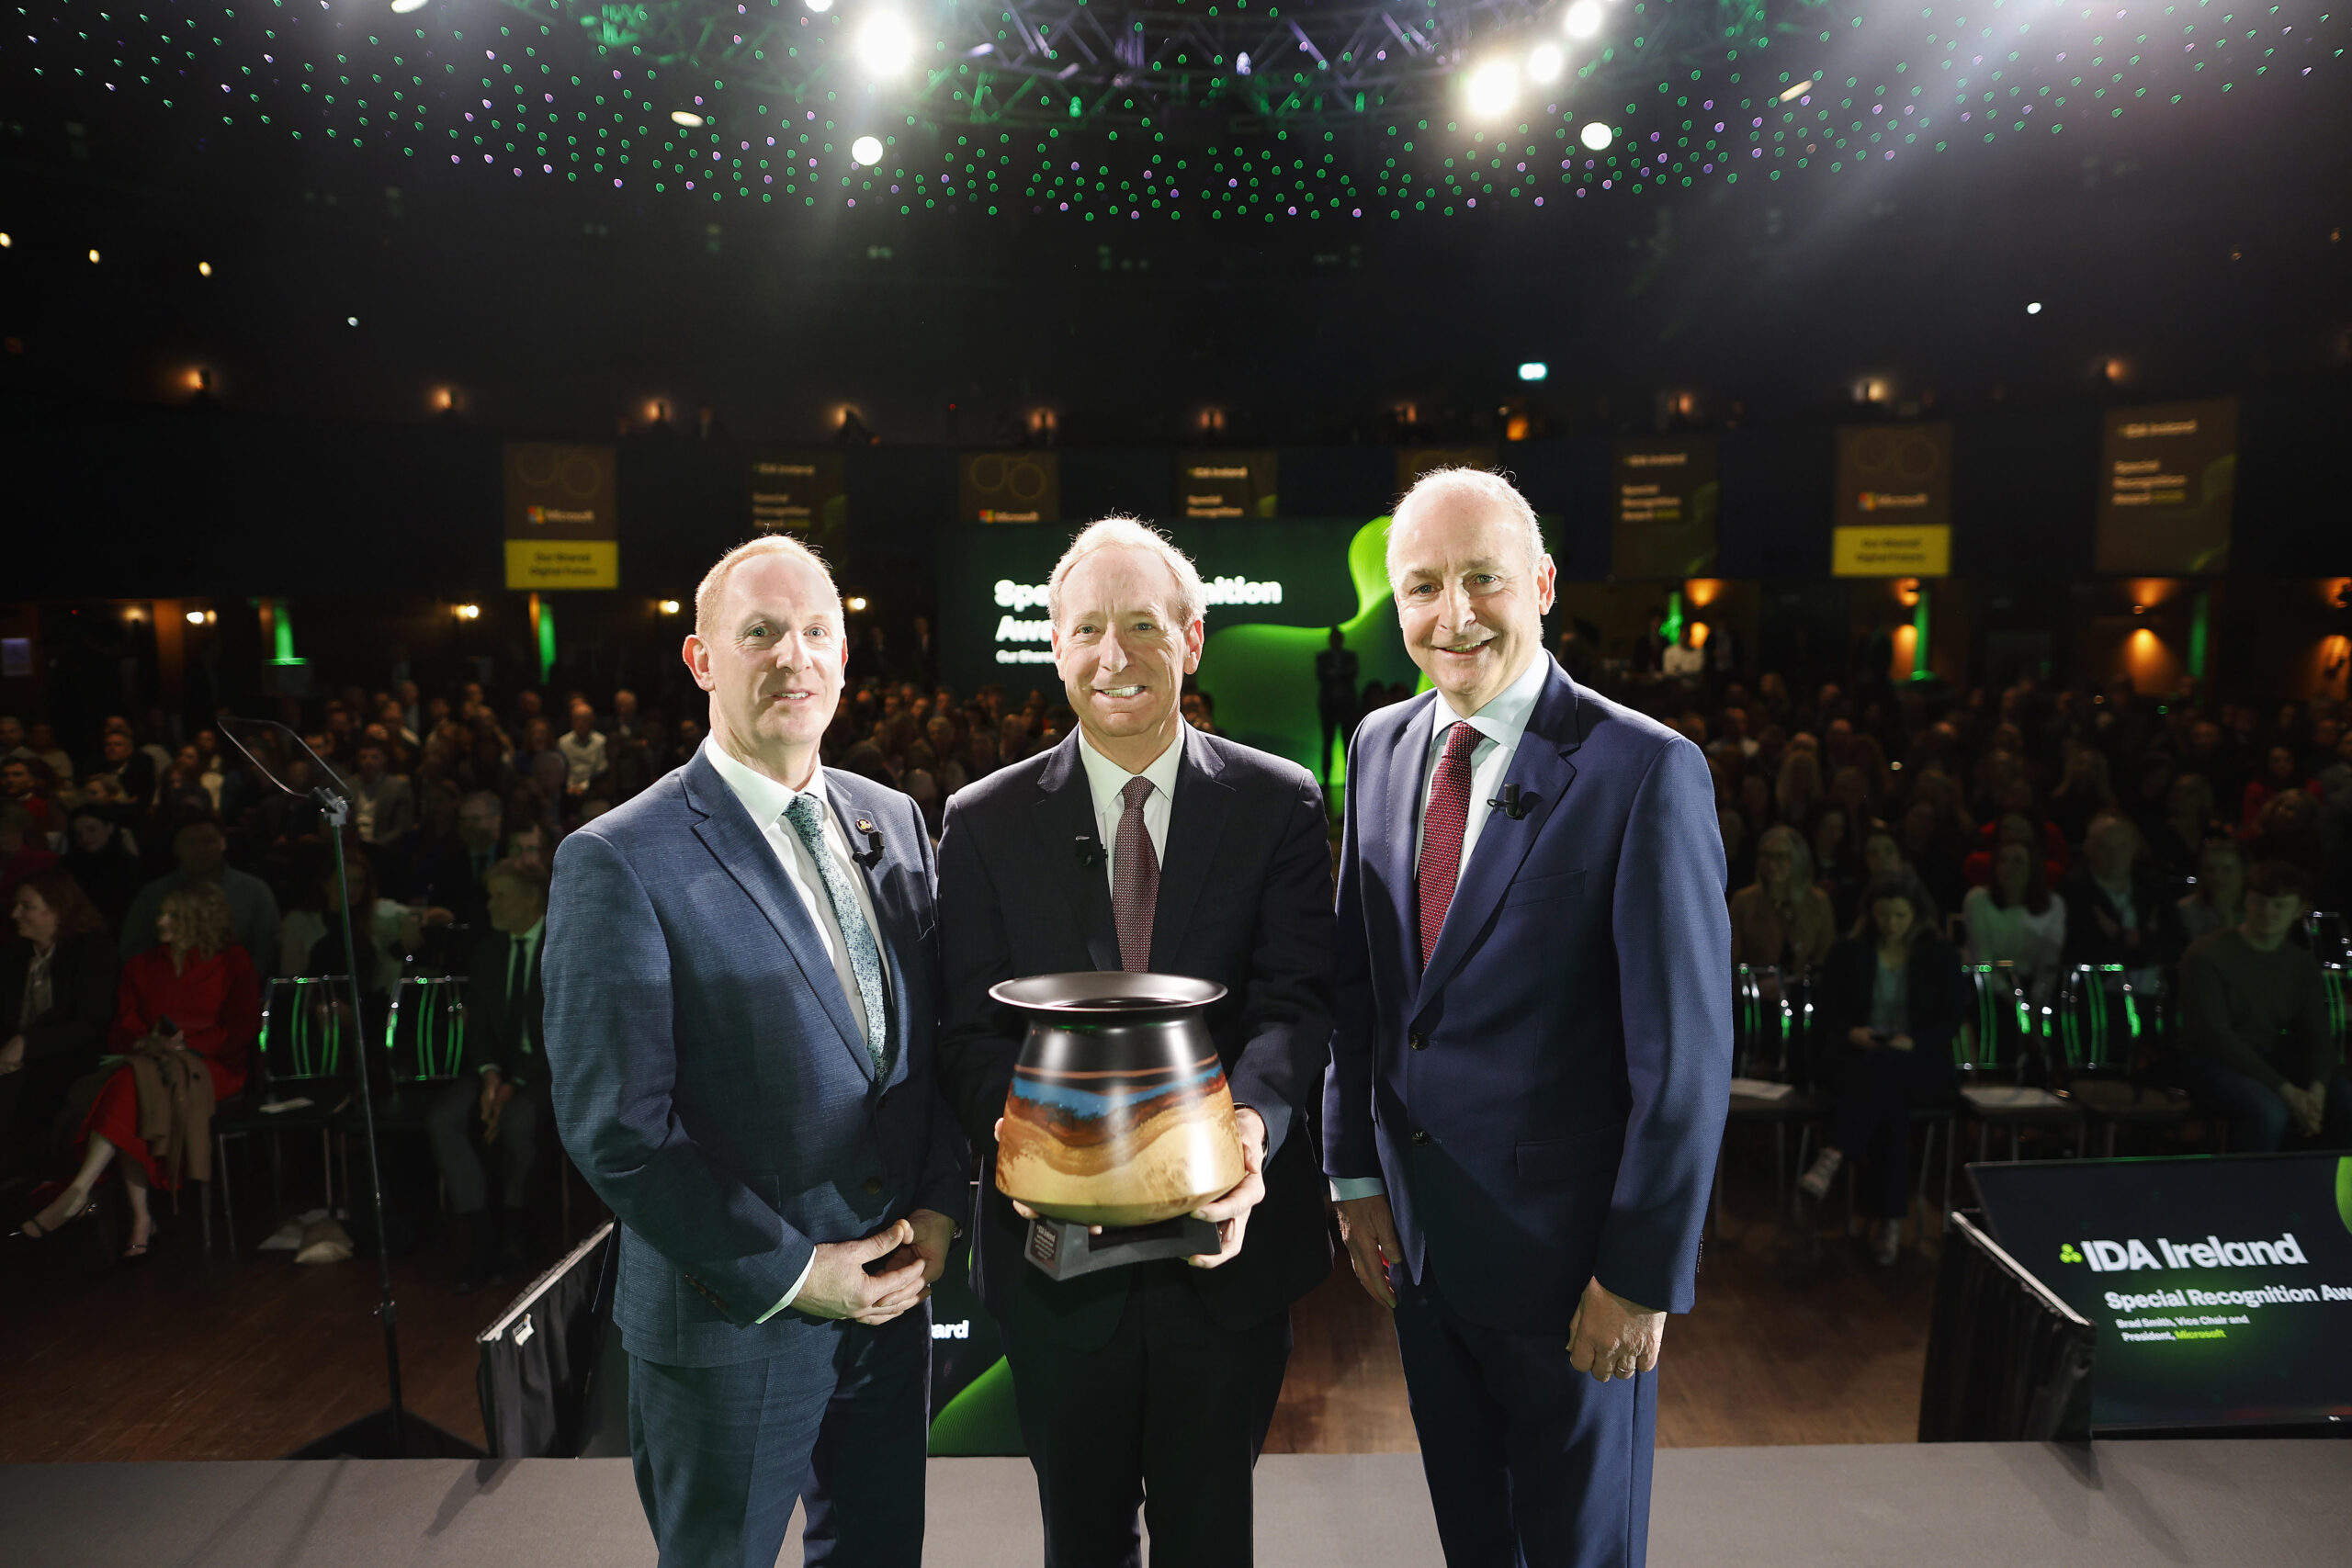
392, 1432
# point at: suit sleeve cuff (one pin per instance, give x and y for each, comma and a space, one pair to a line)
1347, 1188
805, 1270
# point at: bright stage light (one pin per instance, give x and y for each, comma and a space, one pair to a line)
196, 618
204, 269
1241, 65
819, 6
1595, 136
1584, 18
402, 8
885, 46
670, 607
1534, 370
1797, 89
866, 150
685, 117
1492, 88
1544, 62
2034, 309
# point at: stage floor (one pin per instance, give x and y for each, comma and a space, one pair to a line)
2252, 1501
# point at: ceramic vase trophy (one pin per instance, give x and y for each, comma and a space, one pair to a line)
1119, 1116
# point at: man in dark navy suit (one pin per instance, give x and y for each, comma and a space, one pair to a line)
739, 1023
1532, 1060
1141, 842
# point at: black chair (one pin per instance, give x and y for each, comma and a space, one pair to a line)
2112, 1038
300, 1083
424, 1046
1999, 1055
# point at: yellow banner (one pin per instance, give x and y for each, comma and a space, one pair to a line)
563, 563
1924, 551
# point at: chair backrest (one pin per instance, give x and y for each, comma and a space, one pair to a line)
2331, 936
2336, 980
2103, 1022
1998, 1032
425, 1030
305, 1025
1760, 1030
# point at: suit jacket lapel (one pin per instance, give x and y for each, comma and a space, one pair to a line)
1196, 822
1064, 815
1541, 768
891, 929
742, 850
1401, 820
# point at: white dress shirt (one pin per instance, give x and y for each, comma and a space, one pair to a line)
1106, 780
1500, 726
767, 801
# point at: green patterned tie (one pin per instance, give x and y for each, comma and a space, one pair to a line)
864, 960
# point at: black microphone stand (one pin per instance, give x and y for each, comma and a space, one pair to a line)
392, 1432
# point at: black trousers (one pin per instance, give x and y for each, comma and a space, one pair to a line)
1168, 1416
1871, 1095
449, 1127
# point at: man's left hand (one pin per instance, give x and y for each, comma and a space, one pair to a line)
1613, 1337
934, 1233
1230, 1214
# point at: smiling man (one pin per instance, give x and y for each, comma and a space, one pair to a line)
1532, 1058
1142, 843
740, 1019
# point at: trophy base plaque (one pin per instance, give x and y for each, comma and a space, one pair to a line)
1065, 1249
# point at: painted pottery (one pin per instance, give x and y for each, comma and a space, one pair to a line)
1119, 1113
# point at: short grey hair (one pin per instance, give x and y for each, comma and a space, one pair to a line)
713, 581
1477, 486
1192, 599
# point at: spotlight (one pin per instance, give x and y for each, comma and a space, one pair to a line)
1797, 89
1544, 62
2034, 309
685, 116
669, 606
866, 150
445, 399
466, 612
5, 241
1492, 88
819, 6
855, 603
1584, 18
1241, 64
1533, 370
1595, 136
196, 618
94, 258
884, 47
351, 320
402, 8
204, 269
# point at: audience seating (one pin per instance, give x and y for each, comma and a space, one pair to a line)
305, 1022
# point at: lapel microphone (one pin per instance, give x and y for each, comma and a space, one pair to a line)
1510, 804
1089, 852
873, 855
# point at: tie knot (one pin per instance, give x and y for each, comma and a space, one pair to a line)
1460, 741
802, 815
1136, 791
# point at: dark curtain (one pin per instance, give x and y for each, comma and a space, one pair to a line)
537, 1370
2006, 1360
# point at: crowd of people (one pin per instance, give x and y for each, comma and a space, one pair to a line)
1879, 837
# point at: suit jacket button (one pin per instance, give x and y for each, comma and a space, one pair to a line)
1419, 1136
1419, 1041
873, 1185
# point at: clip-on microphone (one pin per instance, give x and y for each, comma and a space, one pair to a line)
1089, 852
1511, 804
873, 855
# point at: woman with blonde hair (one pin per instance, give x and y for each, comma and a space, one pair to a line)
1782, 919
192, 995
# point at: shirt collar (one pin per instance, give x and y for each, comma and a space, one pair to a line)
1504, 718
530, 938
765, 799
1105, 778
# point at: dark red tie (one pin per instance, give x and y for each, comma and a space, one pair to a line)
1441, 830
1135, 878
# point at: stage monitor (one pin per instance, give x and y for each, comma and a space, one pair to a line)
2221, 1287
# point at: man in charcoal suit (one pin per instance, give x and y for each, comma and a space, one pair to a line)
739, 1026
1141, 842
1532, 1060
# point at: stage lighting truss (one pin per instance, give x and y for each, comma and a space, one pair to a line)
1052, 62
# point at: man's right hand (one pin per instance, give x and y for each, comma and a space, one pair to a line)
2306, 1107
839, 1286
1369, 1228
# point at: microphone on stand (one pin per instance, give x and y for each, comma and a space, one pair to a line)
1511, 804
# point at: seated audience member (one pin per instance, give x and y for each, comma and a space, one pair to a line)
56, 987
2281, 773
502, 1089
1797, 790
381, 938
187, 1010
1934, 853
182, 794
2176, 838
2254, 1043
2287, 828
2118, 910
540, 762
383, 804
20, 787
1881, 855
586, 764
1835, 850
2083, 792
201, 849
120, 757
1782, 919
2219, 901
40, 741
2014, 918
451, 872
102, 864
24, 848
1890, 1005
1739, 857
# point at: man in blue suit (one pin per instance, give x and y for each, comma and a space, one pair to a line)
740, 971
1531, 1051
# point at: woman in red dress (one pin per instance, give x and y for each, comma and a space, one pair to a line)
204, 983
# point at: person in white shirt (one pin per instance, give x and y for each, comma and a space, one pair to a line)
584, 763
2017, 920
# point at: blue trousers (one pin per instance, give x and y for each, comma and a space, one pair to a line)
722, 1452
2258, 1119
1529, 1463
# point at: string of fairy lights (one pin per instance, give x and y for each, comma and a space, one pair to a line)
1518, 105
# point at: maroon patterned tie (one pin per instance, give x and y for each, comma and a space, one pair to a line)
1441, 830
1135, 878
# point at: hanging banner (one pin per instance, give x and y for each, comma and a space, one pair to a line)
1226, 484
1009, 487
1893, 509
2167, 481
798, 491
562, 525
1664, 509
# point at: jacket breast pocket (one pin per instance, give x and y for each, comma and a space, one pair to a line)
1537, 889
1557, 1159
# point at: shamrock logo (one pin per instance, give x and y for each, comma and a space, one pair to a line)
2066, 1253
